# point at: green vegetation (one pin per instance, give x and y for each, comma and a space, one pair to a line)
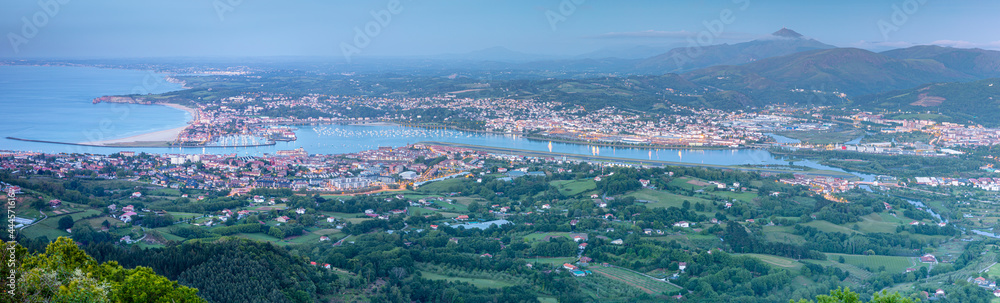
64, 273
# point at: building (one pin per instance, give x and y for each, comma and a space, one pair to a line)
928, 258
683, 224
408, 175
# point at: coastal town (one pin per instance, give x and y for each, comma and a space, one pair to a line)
262, 119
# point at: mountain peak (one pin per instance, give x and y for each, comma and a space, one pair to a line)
786, 33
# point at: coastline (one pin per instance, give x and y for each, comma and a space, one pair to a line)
161, 137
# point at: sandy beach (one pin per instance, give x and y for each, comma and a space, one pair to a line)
169, 135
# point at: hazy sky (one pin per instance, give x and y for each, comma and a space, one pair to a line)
147, 28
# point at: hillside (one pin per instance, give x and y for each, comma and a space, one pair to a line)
847, 70
977, 62
977, 101
782, 42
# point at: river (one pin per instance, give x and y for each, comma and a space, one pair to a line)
54, 103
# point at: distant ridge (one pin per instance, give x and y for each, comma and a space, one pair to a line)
782, 42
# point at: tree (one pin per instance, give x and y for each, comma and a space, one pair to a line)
65, 273
276, 232
65, 222
845, 295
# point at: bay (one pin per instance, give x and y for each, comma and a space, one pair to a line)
54, 104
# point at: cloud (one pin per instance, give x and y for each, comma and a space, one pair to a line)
995, 45
882, 44
667, 34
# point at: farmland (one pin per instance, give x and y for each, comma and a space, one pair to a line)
646, 284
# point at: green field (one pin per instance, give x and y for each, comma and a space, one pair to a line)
892, 264
443, 186
826, 226
741, 196
880, 223
994, 270
644, 283
49, 227
260, 237
783, 234
484, 283
540, 236
664, 199
682, 182
306, 238
574, 187
777, 261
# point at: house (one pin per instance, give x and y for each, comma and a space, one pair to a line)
486, 255
112, 207
324, 238
939, 292
618, 242
942, 224
55, 203
326, 265
644, 182
714, 221
282, 219
582, 246
915, 223
996, 293
300, 211
594, 196
980, 281
579, 238
312, 263
127, 216
546, 206
369, 211
136, 195
128, 208
462, 217
579, 273
568, 266
434, 227
928, 258
331, 219
683, 224
682, 266
648, 231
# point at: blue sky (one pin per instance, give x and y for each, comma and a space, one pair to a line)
239, 28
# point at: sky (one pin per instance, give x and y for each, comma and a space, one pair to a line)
249, 28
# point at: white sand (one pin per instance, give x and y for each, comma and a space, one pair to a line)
169, 135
